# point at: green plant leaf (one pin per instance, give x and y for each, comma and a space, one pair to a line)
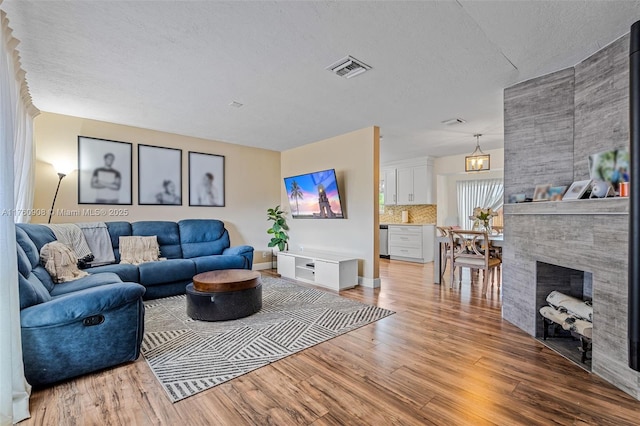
278, 228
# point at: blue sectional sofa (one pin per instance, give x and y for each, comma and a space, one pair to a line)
190, 246
104, 310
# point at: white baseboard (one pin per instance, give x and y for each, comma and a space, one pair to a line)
261, 266
369, 282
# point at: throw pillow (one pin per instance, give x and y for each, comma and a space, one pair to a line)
137, 250
61, 262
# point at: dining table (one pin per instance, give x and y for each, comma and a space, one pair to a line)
495, 241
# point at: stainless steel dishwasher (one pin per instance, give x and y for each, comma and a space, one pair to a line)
384, 241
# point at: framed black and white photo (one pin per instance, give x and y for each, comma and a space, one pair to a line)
104, 171
159, 175
206, 179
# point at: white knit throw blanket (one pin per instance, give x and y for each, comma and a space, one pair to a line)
71, 235
60, 262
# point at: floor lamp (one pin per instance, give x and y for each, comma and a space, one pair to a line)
60, 176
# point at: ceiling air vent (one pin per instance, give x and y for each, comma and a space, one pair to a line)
348, 67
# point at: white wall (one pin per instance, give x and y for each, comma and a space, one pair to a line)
449, 170
355, 157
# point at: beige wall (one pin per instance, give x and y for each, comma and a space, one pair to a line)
252, 178
449, 170
355, 157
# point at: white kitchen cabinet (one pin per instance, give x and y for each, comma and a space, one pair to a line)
389, 182
415, 185
405, 185
412, 243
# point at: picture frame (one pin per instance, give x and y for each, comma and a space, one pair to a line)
577, 189
517, 198
610, 166
159, 175
556, 193
206, 180
541, 192
104, 171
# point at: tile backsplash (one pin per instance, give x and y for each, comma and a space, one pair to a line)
422, 213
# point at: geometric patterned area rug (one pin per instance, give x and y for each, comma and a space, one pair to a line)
189, 356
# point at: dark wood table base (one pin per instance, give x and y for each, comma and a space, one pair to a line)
224, 295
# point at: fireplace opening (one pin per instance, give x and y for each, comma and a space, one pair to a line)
564, 314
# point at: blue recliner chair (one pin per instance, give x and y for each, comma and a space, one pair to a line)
77, 327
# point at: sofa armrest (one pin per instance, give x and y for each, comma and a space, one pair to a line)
238, 250
80, 304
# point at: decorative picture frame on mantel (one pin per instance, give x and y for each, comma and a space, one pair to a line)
556, 192
541, 192
577, 189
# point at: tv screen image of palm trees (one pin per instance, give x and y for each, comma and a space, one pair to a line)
314, 195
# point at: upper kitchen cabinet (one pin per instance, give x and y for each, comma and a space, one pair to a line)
414, 183
389, 186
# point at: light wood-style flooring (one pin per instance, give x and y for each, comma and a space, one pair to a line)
445, 358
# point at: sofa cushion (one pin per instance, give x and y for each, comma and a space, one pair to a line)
31, 252
44, 277
215, 263
31, 291
168, 236
202, 237
166, 271
93, 280
38, 234
116, 230
24, 264
125, 271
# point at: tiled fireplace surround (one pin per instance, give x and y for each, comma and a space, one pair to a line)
552, 124
584, 235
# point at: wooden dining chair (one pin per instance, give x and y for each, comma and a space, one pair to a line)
445, 248
472, 249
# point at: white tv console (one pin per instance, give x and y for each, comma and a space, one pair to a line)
329, 270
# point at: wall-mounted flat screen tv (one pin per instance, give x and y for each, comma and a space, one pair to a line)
314, 195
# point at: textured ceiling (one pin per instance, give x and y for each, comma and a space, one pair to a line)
176, 66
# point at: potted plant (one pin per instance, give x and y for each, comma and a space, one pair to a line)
278, 230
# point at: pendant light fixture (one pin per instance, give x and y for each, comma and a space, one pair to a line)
478, 161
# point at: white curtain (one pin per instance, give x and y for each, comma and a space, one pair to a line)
487, 193
16, 123
24, 158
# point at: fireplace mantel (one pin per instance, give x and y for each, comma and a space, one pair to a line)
595, 206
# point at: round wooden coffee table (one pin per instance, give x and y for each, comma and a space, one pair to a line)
224, 295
